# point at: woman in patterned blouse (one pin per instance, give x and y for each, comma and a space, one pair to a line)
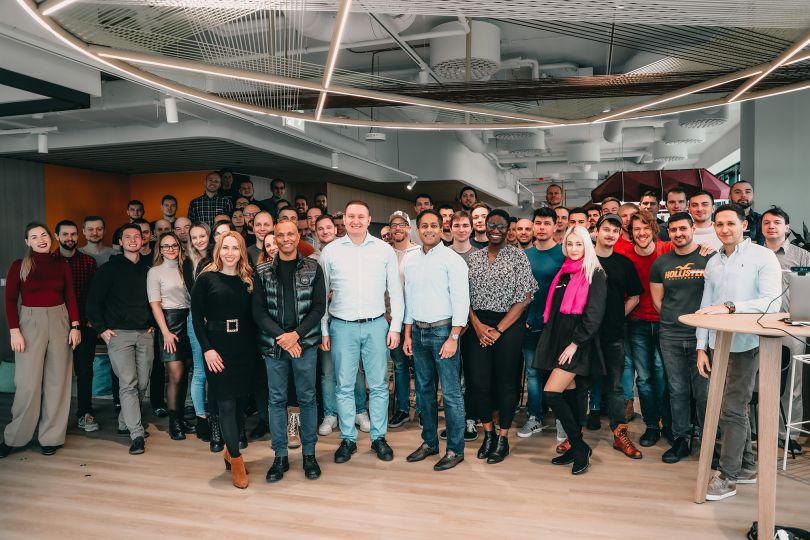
501, 288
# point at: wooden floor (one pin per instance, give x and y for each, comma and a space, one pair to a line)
92, 488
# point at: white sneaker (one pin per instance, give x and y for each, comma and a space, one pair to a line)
88, 423
362, 422
531, 427
328, 425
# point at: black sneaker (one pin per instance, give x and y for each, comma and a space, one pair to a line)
470, 432
277, 470
398, 419
793, 446
594, 421
678, 451
650, 437
381, 448
137, 447
48, 450
443, 435
5, 450
311, 468
345, 451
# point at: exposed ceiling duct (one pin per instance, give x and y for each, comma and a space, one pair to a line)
674, 133
359, 27
583, 154
448, 55
704, 118
615, 132
524, 146
664, 153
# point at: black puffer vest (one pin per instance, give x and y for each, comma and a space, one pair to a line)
305, 270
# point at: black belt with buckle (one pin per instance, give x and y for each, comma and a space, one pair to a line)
437, 324
357, 320
229, 326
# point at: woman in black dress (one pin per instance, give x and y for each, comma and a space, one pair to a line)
221, 313
567, 348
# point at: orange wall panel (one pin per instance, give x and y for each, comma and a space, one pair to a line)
72, 193
150, 189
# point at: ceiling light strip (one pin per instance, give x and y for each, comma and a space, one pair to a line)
221, 71
49, 7
334, 50
774, 65
795, 87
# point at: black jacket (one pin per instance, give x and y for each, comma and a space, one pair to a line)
117, 298
310, 302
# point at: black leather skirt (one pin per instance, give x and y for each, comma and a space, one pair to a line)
176, 320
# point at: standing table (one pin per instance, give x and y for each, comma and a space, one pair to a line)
770, 332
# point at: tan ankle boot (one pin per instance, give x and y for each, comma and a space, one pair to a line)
238, 472
227, 457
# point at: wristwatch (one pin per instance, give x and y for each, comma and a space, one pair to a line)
75, 327
731, 307
454, 337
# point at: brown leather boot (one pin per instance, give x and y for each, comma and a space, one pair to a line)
622, 442
228, 458
629, 410
563, 447
238, 472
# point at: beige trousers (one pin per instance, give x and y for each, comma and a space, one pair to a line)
42, 377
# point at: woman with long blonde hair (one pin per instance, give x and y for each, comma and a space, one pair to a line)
43, 330
221, 312
567, 349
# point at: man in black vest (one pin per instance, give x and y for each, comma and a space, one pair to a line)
289, 300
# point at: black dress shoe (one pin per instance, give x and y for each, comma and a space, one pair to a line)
450, 460
137, 447
500, 451
381, 448
5, 450
487, 445
217, 443
203, 430
594, 421
277, 470
421, 453
565, 458
261, 429
650, 437
311, 468
175, 427
48, 450
345, 451
582, 461
678, 451
399, 418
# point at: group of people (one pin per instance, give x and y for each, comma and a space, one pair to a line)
297, 311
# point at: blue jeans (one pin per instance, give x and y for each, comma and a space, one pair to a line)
427, 342
651, 380
402, 380
329, 387
279, 364
533, 377
198, 375
352, 342
629, 374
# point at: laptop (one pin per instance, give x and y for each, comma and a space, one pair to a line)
799, 287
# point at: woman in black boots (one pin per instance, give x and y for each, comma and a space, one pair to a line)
501, 287
169, 300
574, 310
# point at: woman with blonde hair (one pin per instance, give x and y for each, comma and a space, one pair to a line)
221, 311
567, 348
169, 300
43, 330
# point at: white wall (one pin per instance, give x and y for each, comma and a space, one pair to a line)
775, 144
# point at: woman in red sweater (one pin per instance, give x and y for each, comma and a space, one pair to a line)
43, 331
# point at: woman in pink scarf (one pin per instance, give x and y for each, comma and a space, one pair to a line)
574, 310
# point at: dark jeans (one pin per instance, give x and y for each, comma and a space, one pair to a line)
83, 357
427, 342
735, 451
683, 383
494, 368
303, 371
402, 381
651, 381
534, 377
612, 388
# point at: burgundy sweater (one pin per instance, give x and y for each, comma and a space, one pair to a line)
49, 284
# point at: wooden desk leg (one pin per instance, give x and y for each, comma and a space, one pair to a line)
770, 357
717, 382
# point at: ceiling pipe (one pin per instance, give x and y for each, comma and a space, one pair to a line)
536, 67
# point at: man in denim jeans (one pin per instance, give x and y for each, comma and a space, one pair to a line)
437, 301
676, 286
742, 278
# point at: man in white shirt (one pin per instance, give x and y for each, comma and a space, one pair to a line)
358, 269
701, 208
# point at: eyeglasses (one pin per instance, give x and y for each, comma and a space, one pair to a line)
499, 226
399, 225
430, 226
171, 247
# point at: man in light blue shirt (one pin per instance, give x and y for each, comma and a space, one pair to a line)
358, 269
437, 303
742, 278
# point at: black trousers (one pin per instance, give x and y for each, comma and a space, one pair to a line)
83, 357
494, 370
612, 389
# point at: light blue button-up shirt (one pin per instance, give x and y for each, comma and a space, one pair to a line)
751, 278
358, 276
436, 286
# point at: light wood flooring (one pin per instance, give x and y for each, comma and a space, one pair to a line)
92, 488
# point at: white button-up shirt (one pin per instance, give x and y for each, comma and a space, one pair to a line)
436, 286
751, 278
358, 276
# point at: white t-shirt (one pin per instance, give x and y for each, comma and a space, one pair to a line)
708, 236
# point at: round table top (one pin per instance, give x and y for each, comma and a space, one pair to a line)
746, 323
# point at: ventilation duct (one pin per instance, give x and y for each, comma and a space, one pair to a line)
359, 26
507, 135
615, 132
674, 133
583, 154
448, 55
664, 153
704, 118
524, 146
